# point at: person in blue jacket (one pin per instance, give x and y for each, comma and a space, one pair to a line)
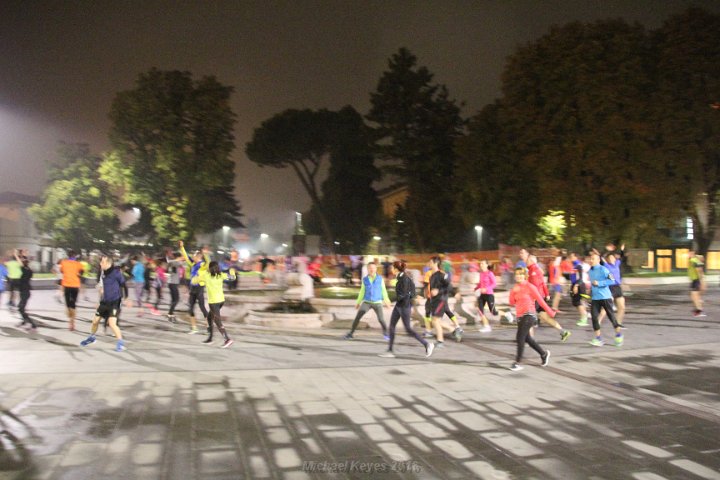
373, 295
601, 299
112, 291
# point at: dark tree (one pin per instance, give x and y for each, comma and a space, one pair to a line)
416, 124
348, 199
687, 125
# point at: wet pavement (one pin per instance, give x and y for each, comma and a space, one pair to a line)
294, 405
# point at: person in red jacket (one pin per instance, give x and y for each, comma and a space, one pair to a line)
523, 296
537, 278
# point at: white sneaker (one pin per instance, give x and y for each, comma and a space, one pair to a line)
516, 367
429, 349
387, 355
485, 329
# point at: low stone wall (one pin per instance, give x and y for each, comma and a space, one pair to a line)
283, 320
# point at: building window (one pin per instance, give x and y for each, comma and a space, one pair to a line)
689, 228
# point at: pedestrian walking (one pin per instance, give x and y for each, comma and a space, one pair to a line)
372, 296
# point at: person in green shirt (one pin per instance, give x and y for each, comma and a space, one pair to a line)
696, 273
14, 273
214, 278
373, 295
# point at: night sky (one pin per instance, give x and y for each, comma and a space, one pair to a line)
61, 63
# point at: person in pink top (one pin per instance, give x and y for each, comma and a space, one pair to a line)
537, 278
523, 296
486, 296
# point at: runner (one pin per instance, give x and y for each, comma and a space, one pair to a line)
24, 288
159, 281
601, 279
197, 285
214, 280
524, 296
439, 289
3, 278
138, 275
14, 269
373, 295
173, 279
486, 295
456, 331
556, 280
112, 289
537, 279
612, 263
696, 273
578, 291
405, 294
87, 270
522, 263
71, 270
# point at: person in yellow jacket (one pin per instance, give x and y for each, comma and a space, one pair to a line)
214, 278
199, 263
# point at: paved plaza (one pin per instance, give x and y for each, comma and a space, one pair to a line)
307, 404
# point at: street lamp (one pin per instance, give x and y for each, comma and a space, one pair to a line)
264, 236
478, 235
225, 229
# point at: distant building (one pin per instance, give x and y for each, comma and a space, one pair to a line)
392, 198
17, 230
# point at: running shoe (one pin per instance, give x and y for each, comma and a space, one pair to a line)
456, 334
619, 340
89, 340
208, 341
155, 311
429, 349
171, 319
495, 312
597, 342
428, 334
193, 331
622, 327
386, 337
564, 335
516, 367
387, 355
582, 322
699, 313
485, 329
439, 344
545, 358
227, 342
120, 346
348, 336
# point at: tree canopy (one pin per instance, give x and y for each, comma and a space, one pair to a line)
77, 209
172, 138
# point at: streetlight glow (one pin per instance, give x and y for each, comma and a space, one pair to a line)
376, 238
263, 236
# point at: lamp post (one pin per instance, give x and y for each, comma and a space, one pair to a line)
478, 235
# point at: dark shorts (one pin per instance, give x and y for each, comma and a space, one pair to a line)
108, 309
577, 298
71, 294
616, 291
695, 285
486, 299
437, 306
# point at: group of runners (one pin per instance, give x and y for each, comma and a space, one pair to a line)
594, 281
